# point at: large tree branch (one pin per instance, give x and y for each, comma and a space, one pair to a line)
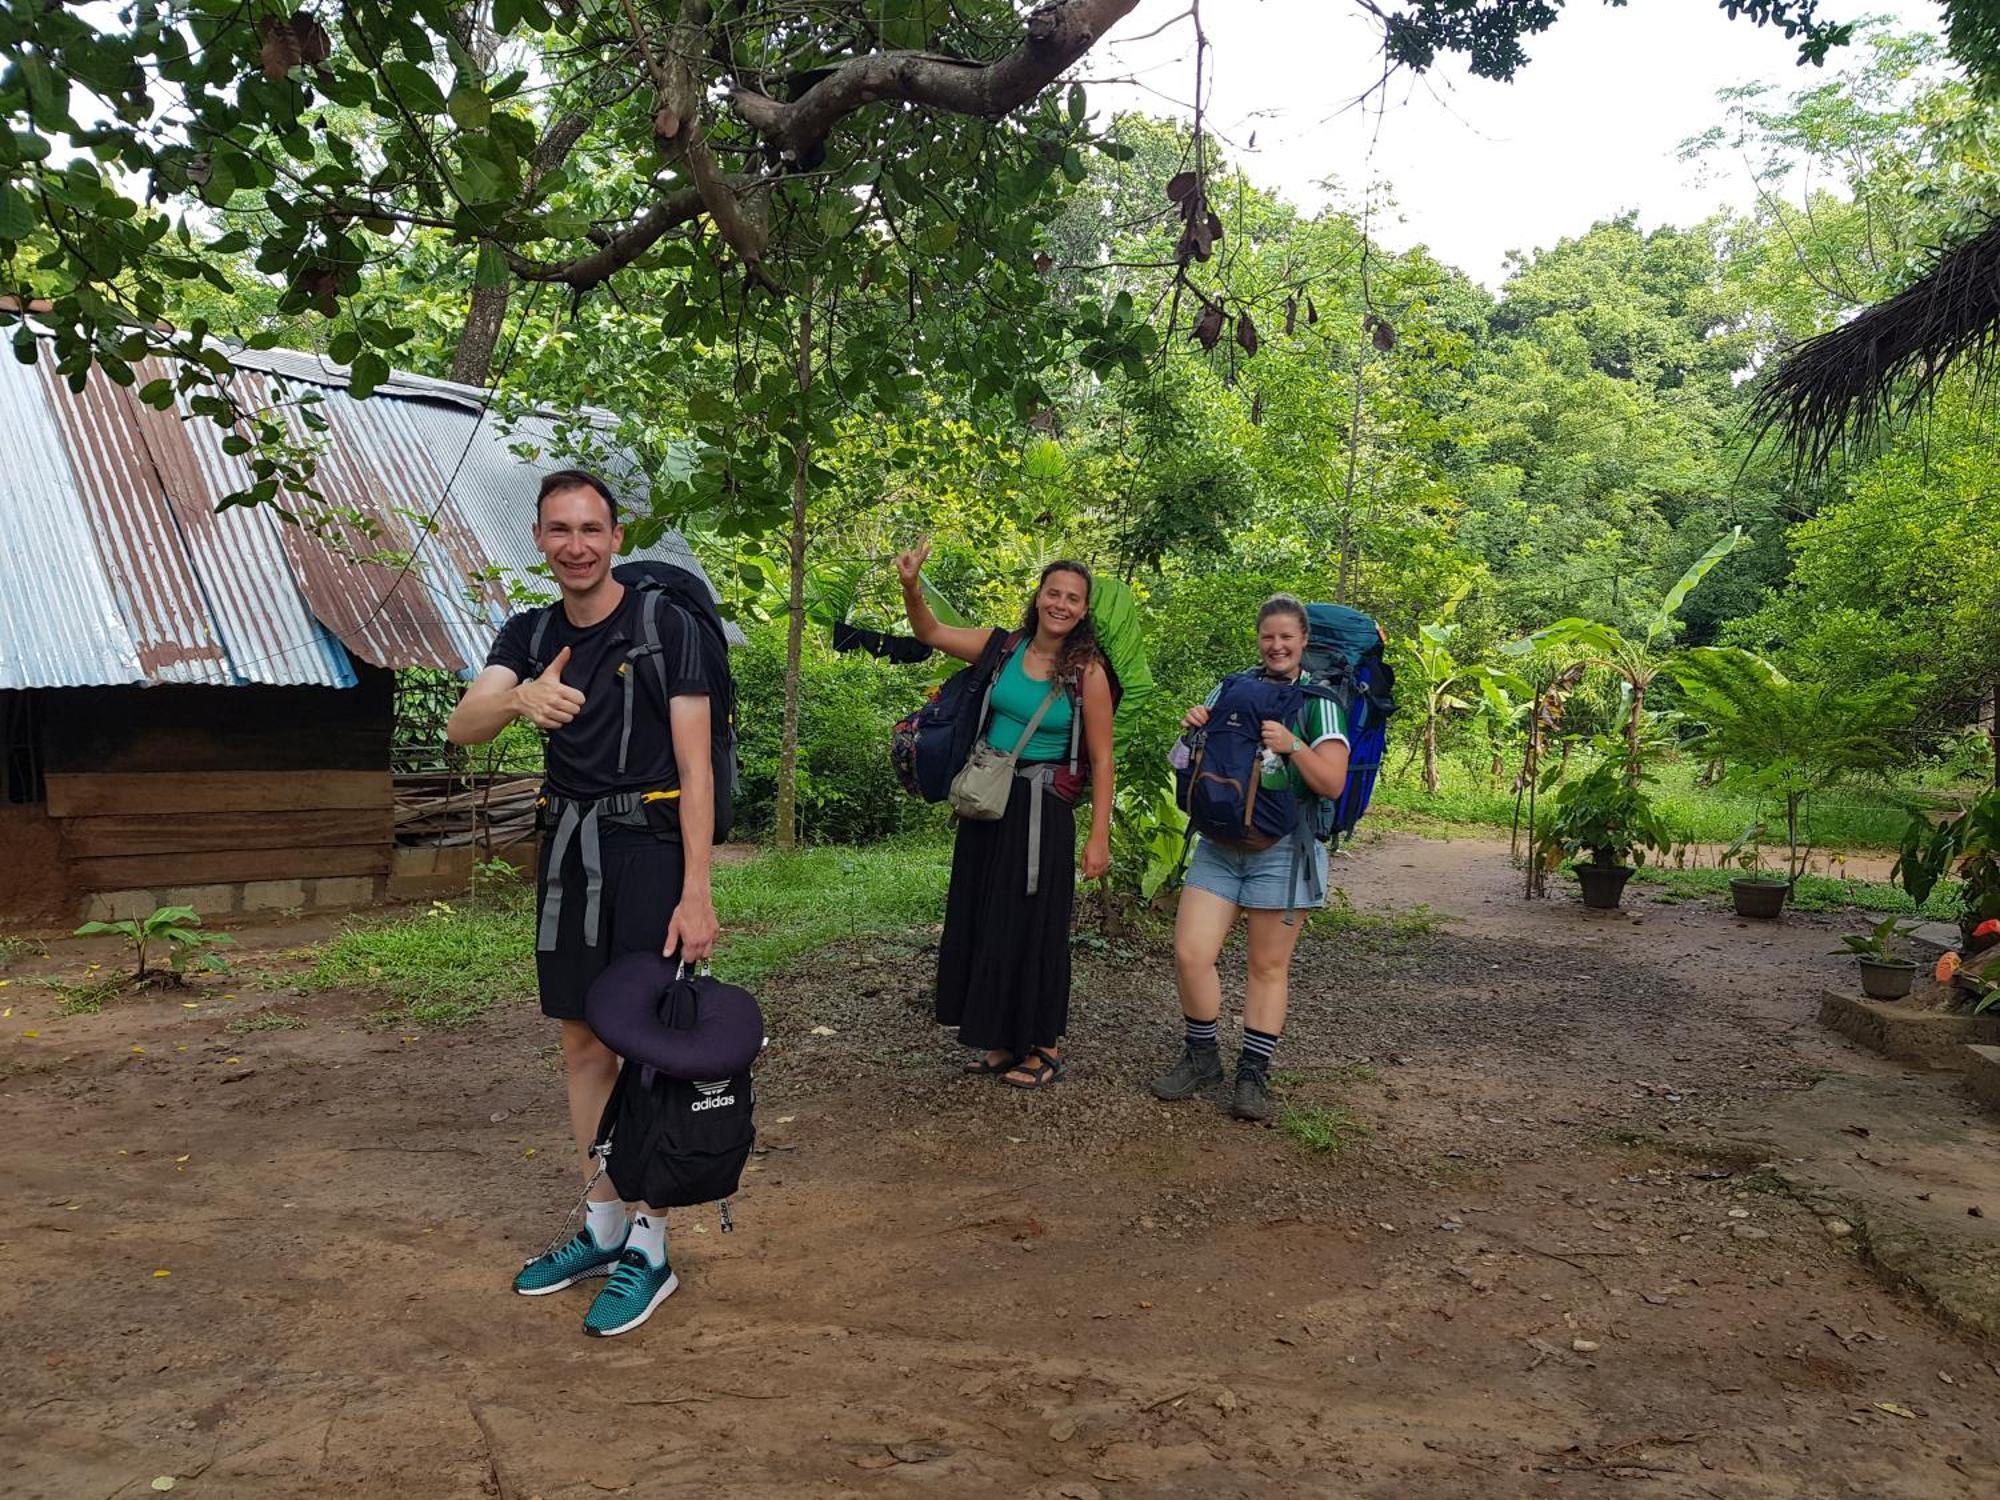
621, 249
1057, 35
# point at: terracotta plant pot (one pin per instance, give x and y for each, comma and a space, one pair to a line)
1759, 898
1886, 978
1603, 885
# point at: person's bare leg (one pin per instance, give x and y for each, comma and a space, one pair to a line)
1271, 942
1271, 945
1201, 927
589, 1070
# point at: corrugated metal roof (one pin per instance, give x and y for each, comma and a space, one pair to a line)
124, 571
59, 617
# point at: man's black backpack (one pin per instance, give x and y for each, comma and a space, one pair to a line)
660, 587
675, 1142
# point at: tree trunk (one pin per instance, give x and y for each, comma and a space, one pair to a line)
1431, 755
1632, 724
795, 604
1993, 731
472, 361
1353, 463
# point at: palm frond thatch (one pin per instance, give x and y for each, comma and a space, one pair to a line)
1839, 388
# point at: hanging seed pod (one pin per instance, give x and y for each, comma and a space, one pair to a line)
1246, 333
1208, 327
1179, 186
1291, 315
1312, 313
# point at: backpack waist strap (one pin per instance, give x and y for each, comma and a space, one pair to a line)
580, 821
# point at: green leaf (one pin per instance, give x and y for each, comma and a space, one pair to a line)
17, 215
470, 109
1694, 575
492, 267
412, 87
1078, 105
345, 347
369, 371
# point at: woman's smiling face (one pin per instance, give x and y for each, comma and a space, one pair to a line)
1062, 601
1281, 642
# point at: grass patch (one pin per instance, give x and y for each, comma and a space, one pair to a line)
265, 1020
447, 965
1340, 917
83, 997
13, 949
1847, 818
443, 967
1813, 892
1324, 1129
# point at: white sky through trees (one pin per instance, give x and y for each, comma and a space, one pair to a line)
1476, 169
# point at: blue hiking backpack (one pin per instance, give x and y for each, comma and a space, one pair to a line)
1344, 654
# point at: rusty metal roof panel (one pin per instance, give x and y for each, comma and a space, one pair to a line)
133, 529
439, 592
238, 554
60, 619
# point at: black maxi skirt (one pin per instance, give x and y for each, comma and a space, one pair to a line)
1003, 963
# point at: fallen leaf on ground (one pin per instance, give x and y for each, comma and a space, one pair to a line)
875, 1461
163, 1273
824, 1031
1062, 1429
1896, 1410
164, 1482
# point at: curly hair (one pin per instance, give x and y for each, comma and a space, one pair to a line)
1079, 647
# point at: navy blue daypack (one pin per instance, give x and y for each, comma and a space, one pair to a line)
930, 746
1221, 787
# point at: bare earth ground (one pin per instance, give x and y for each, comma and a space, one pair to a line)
1551, 1267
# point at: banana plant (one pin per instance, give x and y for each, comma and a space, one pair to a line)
1444, 686
1632, 656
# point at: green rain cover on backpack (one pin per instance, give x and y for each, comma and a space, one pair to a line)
1114, 612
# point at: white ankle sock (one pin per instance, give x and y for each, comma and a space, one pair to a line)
606, 1221
649, 1234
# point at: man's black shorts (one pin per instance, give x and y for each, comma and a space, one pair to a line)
642, 886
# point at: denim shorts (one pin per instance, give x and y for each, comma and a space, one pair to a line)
1259, 879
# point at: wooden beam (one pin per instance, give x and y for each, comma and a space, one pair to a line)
122, 834
146, 793
157, 870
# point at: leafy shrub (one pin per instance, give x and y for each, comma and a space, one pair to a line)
847, 790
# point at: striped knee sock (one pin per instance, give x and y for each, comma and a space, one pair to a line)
1200, 1034
1257, 1049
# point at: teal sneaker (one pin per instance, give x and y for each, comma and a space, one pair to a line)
576, 1258
629, 1297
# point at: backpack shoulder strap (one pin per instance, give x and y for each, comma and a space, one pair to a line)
535, 637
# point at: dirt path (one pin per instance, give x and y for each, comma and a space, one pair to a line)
1522, 1280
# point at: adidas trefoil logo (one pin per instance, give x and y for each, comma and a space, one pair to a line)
712, 1095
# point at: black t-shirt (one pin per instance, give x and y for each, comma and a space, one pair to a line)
583, 754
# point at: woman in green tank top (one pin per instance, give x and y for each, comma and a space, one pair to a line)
1003, 961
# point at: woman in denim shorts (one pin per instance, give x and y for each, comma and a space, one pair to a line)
1223, 879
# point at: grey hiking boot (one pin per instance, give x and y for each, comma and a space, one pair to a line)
1251, 1098
1199, 1068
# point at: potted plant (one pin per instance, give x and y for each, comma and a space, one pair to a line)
1786, 739
1757, 892
1610, 818
1884, 976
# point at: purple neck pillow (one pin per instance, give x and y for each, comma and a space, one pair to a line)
649, 1010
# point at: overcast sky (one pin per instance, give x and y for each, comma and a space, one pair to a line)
1477, 169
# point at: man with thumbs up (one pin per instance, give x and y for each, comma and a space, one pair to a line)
625, 867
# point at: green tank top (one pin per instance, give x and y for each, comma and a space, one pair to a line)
1016, 696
